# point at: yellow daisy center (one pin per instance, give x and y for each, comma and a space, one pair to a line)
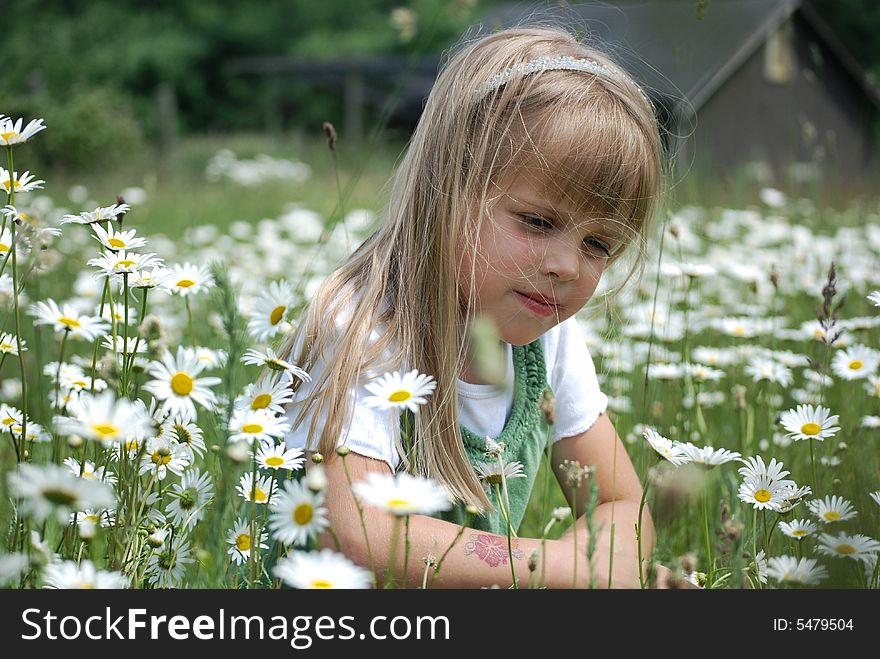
762, 496
739, 330
831, 515
88, 475
303, 514
252, 428
811, 428
91, 518
845, 549
855, 365
398, 503
8, 421
181, 383
131, 445
115, 242
259, 495
277, 314
70, 322
7, 346
261, 402
8, 136
105, 430
243, 542
80, 383
4, 247
399, 396
125, 263
798, 533
320, 583
185, 283
274, 461
159, 459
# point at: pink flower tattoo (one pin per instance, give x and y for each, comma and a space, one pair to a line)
490, 549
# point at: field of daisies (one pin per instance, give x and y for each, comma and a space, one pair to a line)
142, 409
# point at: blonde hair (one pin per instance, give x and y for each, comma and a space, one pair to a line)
593, 140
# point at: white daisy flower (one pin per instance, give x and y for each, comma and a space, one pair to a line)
117, 240
102, 518
166, 568
808, 422
759, 566
176, 385
400, 390
67, 319
855, 363
105, 419
798, 528
250, 425
122, 262
149, 278
320, 570
11, 132
25, 183
875, 496
493, 473
6, 243
239, 539
832, 509
665, 371
264, 491
858, 547
270, 359
50, 489
741, 326
161, 456
872, 386
665, 447
762, 368
210, 358
761, 492
793, 496
701, 373
187, 434
85, 576
270, 310
804, 571
280, 457
190, 498
402, 494
316, 478
188, 279
89, 471
755, 467
270, 394
102, 214
874, 298
297, 514
9, 344
124, 345
706, 455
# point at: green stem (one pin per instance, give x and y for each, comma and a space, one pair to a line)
192, 332
708, 541
391, 570
360, 510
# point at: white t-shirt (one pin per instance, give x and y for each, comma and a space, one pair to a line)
482, 408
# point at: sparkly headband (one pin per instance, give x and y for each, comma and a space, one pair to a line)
539, 64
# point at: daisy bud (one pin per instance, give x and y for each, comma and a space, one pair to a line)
74, 441
841, 446
471, 510
533, 561
215, 449
430, 560
561, 514
238, 452
317, 458
26, 455
342, 451
316, 479
156, 539
836, 483
548, 406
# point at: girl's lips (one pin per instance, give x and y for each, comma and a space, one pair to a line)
536, 306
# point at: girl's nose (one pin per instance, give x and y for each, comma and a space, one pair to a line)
562, 259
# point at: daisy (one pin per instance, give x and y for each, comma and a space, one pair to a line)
117, 240
161, 456
122, 262
870, 421
665, 447
872, 386
24, 184
165, 569
875, 496
268, 358
665, 371
264, 491
740, 327
855, 363
755, 467
297, 514
761, 492
398, 390
706, 455
798, 528
793, 496
50, 489
67, 319
102, 214
88, 471
104, 518
702, 373
124, 345
9, 344
188, 279
176, 385
239, 539
270, 310
11, 132
280, 457
792, 570
874, 298
832, 509
190, 498
271, 394
210, 358
69, 575
494, 473
35, 433
808, 422
9, 416
320, 570
762, 368
105, 419
402, 494
151, 278
859, 547
187, 434
6, 243
250, 425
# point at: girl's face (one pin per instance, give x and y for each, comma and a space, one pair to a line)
536, 264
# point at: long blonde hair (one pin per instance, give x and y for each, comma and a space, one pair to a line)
592, 139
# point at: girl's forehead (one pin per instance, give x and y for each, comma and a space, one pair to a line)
542, 196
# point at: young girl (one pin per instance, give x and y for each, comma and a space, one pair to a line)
536, 163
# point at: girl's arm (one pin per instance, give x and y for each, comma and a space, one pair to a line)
619, 496
476, 558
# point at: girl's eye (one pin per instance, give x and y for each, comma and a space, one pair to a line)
536, 222
596, 248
